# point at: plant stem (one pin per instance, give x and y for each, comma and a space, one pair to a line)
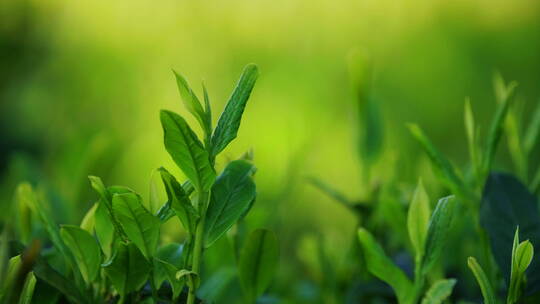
197, 246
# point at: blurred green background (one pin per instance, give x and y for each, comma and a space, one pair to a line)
82, 82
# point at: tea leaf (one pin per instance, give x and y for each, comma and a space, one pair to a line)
179, 201
229, 121
88, 220
383, 268
85, 250
141, 226
169, 271
439, 291
524, 256
191, 278
67, 287
506, 204
439, 227
106, 201
103, 225
28, 289
171, 253
483, 282
471, 135
443, 167
418, 219
187, 151
128, 270
231, 197
192, 103
258, 263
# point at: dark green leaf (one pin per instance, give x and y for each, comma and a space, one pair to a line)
258, 262
231, 197
179, 201
169, 271
383, 268
506, 204
187, 151
85, 249
67, 287
172, 254
229, 121
533, 130
128, 270
140, 225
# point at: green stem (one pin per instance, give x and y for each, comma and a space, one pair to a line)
153, 286
198, 244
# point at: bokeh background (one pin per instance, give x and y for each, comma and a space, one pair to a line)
82, 83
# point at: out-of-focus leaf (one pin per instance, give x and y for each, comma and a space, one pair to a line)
154, 201
330, 191
192, 103
88, 220
66, 286
213, 286
496, 128
28, 289
172, 254
229, 121
128, 270
472, 140
507, 204
258, 262
141, 226
187, 151
443, 167
383, 268
438, 230
85, 249
522, 254
231, 197
179, 201
418, 219
439, 291
191, 278
483, 282
533, 130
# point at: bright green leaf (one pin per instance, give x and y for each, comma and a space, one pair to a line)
229, 121
418, 219
231, 197
192, 103
483, 282
439, 291
104, 228
179, 201
141, 227
258, 262
28, 289
187, 151
88, 220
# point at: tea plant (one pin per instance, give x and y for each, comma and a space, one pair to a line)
115, 255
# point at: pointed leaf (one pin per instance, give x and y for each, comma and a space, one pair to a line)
258, 262
104, 229
229, 121
179, 201
169, 271
28, 289
524, 256
383, 268
85, 249
192, 103
187, 151
88, 221
439, 227
418, 219
439, 291
231, 197
483, 282
141, 226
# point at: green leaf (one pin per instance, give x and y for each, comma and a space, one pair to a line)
154, 201
85, 249
171, 253
231, 197
229, 121
66, 286
88, 220
28, 289
192, 103
483, 282
439, 291
141, 227
444, 169
524, 256
531, 135
128, 270
187, 151
471, 135
104, 228
258, 262
169, 271
106, 201
507, 204
438, 229
179, 201
418, 219
496, 128
383, 268
191, 278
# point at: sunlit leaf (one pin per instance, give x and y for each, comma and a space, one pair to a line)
192, 103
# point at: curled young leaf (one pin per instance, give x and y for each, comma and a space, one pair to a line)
418, 219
